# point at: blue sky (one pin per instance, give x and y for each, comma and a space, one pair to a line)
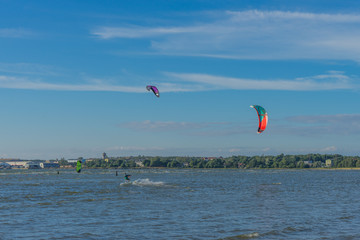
73, 77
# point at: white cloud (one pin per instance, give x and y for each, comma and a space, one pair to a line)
134, 148
254, 34
15, 33
331, 81
287, 15
29, 69
24, 83
234, 150
187, 82
329, 149
194, 129
346, 119
169, 125
338, 124
267, 149
141, 32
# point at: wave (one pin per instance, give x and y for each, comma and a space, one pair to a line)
144, 183
243, 236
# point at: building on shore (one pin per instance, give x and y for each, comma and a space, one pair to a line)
17, 164
32, 165
139, 163
35, 164
4, 165
309, 163
49, 165
329, 163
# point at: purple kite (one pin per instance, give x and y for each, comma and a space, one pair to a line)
154, 89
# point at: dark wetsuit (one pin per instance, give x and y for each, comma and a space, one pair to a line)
127, 177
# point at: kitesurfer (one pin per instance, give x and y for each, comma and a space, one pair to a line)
127, 177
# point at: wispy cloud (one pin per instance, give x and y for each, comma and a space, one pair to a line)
134, 148
15, 33
330, 81
180, 82
345, 119
328, 149
141, 32
170, 125
201, 129
29, 69
24, 83
181, 151
288, 15
253, 34
338, 124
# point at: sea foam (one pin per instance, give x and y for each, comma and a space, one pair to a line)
143, 182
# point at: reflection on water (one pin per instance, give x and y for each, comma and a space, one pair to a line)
180, 204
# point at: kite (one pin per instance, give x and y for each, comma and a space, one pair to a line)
79, 165
263, 117
127, 177
154, 89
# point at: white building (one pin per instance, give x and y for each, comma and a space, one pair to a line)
32, 165
49, 165
17, 164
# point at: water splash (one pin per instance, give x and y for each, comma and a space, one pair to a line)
144, 183
243, 236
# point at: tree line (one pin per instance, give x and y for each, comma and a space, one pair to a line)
278, 161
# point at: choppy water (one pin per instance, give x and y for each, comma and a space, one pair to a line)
180, 204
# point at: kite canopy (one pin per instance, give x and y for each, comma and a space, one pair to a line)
78, 166
263, 117
154, 89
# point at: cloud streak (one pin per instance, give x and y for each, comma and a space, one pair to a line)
15, 33
191, 82
330, 81
345, 119
338, 124
252, 34
170, 125
141, 32
23, 83
207, 129
29, 69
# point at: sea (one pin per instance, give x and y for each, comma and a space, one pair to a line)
179, 204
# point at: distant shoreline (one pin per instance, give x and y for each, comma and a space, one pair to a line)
166, 168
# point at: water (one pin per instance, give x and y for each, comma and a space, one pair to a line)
180, 204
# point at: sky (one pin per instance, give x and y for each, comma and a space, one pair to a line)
73, 77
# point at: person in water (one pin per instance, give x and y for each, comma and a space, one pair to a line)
127, 177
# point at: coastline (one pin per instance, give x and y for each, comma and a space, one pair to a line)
167, 168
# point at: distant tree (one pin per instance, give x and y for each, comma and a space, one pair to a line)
201, 164
174, 164
156, 162
300, 164
146, 163
215, 163
63, 162
357, 163
252, 163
